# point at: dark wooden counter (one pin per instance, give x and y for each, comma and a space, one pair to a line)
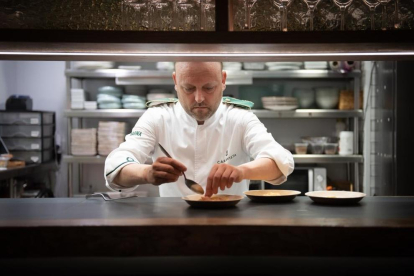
377, 227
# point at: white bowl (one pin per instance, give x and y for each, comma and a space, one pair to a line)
327, 97
306, 97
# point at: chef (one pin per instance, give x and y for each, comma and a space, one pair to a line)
209, 137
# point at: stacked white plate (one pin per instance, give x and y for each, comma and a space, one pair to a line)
91, 105
77, 98
273, 66
232, 66
167, 66
316, 65
92, 65
110, 136
280, 103
83, 141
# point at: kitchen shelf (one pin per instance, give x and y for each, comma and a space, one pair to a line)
157, 75
150, 77
260, 113
299, 159
104, 113
306, 73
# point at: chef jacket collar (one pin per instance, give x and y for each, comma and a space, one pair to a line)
190, 120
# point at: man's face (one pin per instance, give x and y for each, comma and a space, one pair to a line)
199, 86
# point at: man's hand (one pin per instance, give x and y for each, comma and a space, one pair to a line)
164, 170
222, 176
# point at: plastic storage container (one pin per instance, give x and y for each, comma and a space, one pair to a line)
330, 148
37, 144
26, 118
26, 131
33, 156
301, 148
317, 148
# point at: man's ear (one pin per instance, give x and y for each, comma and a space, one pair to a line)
223, 79
175, 81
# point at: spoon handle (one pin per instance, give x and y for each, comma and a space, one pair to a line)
164, 151
168, 155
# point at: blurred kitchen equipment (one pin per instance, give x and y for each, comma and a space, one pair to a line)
336, 197
346, 143
327, 97
271, 196
336, 66
192, 185
303, 179
19, 102
198, 201
346, 100
106, 197
305, 96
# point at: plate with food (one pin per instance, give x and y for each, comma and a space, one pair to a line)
271, 196
336, 197
215, 201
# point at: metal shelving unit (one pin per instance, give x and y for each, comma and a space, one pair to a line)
149, 77
159, 75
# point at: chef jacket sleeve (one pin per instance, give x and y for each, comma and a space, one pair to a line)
137, 148
258, 143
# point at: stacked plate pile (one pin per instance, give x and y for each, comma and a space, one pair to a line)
83, 141
316, 65
91, 105
273, 66
133, 102
77, 98
280, 103
92, 65
155, 94
232, 66
254, 65
109, 97
110, 136
165, 66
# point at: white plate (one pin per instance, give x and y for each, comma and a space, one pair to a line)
335, 197
280, 107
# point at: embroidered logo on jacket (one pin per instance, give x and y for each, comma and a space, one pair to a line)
136, 133
227, 158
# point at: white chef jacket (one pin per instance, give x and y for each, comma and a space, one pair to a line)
231, 135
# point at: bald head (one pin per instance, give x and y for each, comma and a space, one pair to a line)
199, 87
178, 62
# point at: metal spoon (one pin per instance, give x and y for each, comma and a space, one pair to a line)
192, 185
106, 197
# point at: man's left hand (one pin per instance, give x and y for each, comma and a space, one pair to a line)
222, 176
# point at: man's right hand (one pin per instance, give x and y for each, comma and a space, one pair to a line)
164, 170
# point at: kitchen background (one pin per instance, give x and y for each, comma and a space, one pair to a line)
49, 87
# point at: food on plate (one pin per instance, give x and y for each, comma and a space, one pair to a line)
272, 194
215, 198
